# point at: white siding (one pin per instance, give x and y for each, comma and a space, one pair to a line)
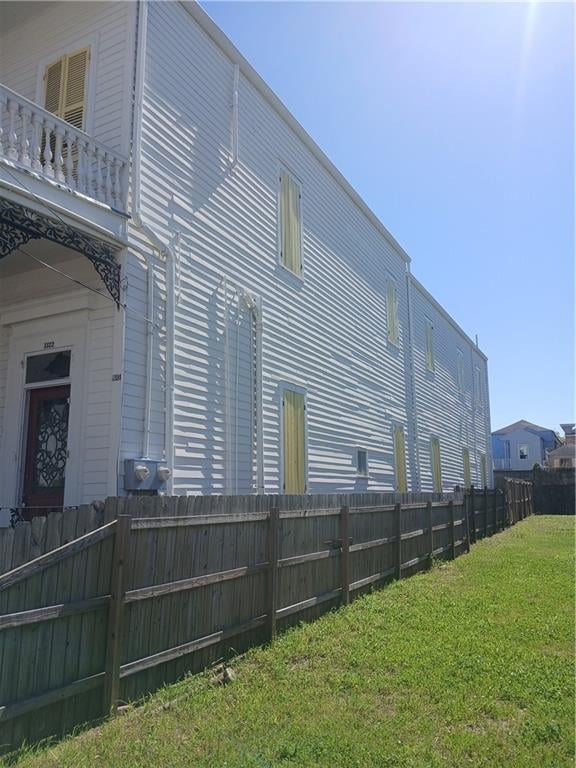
457, 418
326, 333
48, 30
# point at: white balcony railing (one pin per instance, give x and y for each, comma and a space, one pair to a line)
36, 140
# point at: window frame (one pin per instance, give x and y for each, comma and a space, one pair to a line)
437, 487
281, 169
400, 427
429, 355
467, 467
460, 370
91, 43
520, 447
393, 339
359, 473
300, 390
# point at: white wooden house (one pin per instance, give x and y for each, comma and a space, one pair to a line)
192, 297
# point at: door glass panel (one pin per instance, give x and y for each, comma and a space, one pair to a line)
50, 449
49, 367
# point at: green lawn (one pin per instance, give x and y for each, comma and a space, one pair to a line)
469, 664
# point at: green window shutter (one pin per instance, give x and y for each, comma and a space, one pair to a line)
400, 460
294, 443
467, 473
436, 466
392, 312
290, 224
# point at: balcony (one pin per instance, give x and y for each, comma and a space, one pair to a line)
36, 142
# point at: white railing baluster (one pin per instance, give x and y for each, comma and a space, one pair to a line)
116, 191
37, 140
70, 180
108, 181
88, 167
25, 116
12, 136
35, 160
58, 173
47, 154
98, 180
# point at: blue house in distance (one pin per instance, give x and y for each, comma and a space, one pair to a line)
521, 445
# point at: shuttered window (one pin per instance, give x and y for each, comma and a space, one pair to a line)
436, 465
429, 345
290, 223
467, 473
400, 460
483, 471
460, 369
65, 82
392, 311
294, 409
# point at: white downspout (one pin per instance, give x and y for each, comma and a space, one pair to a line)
149, 358
417, 483
259, 397
164, 249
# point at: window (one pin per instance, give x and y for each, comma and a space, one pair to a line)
467, 473
362, 462
429, 345
477, 384
290, 224
522, 451
436, 465
48, 367
460, 369
400, 460
392, 311
483, 471
65, 82
294, 418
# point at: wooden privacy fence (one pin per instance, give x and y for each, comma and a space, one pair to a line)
144, 598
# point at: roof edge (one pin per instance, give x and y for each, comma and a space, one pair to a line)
417, 284
228, 47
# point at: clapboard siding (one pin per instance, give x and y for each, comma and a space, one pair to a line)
56, 28
326, 333
443, 411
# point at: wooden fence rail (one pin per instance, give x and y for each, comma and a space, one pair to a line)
140, 599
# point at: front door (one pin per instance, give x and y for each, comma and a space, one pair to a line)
46, 449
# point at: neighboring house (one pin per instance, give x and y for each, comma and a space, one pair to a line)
564, 457
521, 445
192, 297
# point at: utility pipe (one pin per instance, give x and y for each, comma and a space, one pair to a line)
164, 249
411, 367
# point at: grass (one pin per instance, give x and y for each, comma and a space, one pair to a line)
469, 664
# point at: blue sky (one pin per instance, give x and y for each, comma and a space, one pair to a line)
454, 121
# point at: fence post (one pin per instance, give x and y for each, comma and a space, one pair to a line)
430, 532
345, 554
466, 513
398, 527
115, 616
452, 535
273, 525
485, 511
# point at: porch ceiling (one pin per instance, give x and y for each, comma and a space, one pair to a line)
19, 225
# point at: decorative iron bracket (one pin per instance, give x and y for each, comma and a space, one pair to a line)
19, 225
